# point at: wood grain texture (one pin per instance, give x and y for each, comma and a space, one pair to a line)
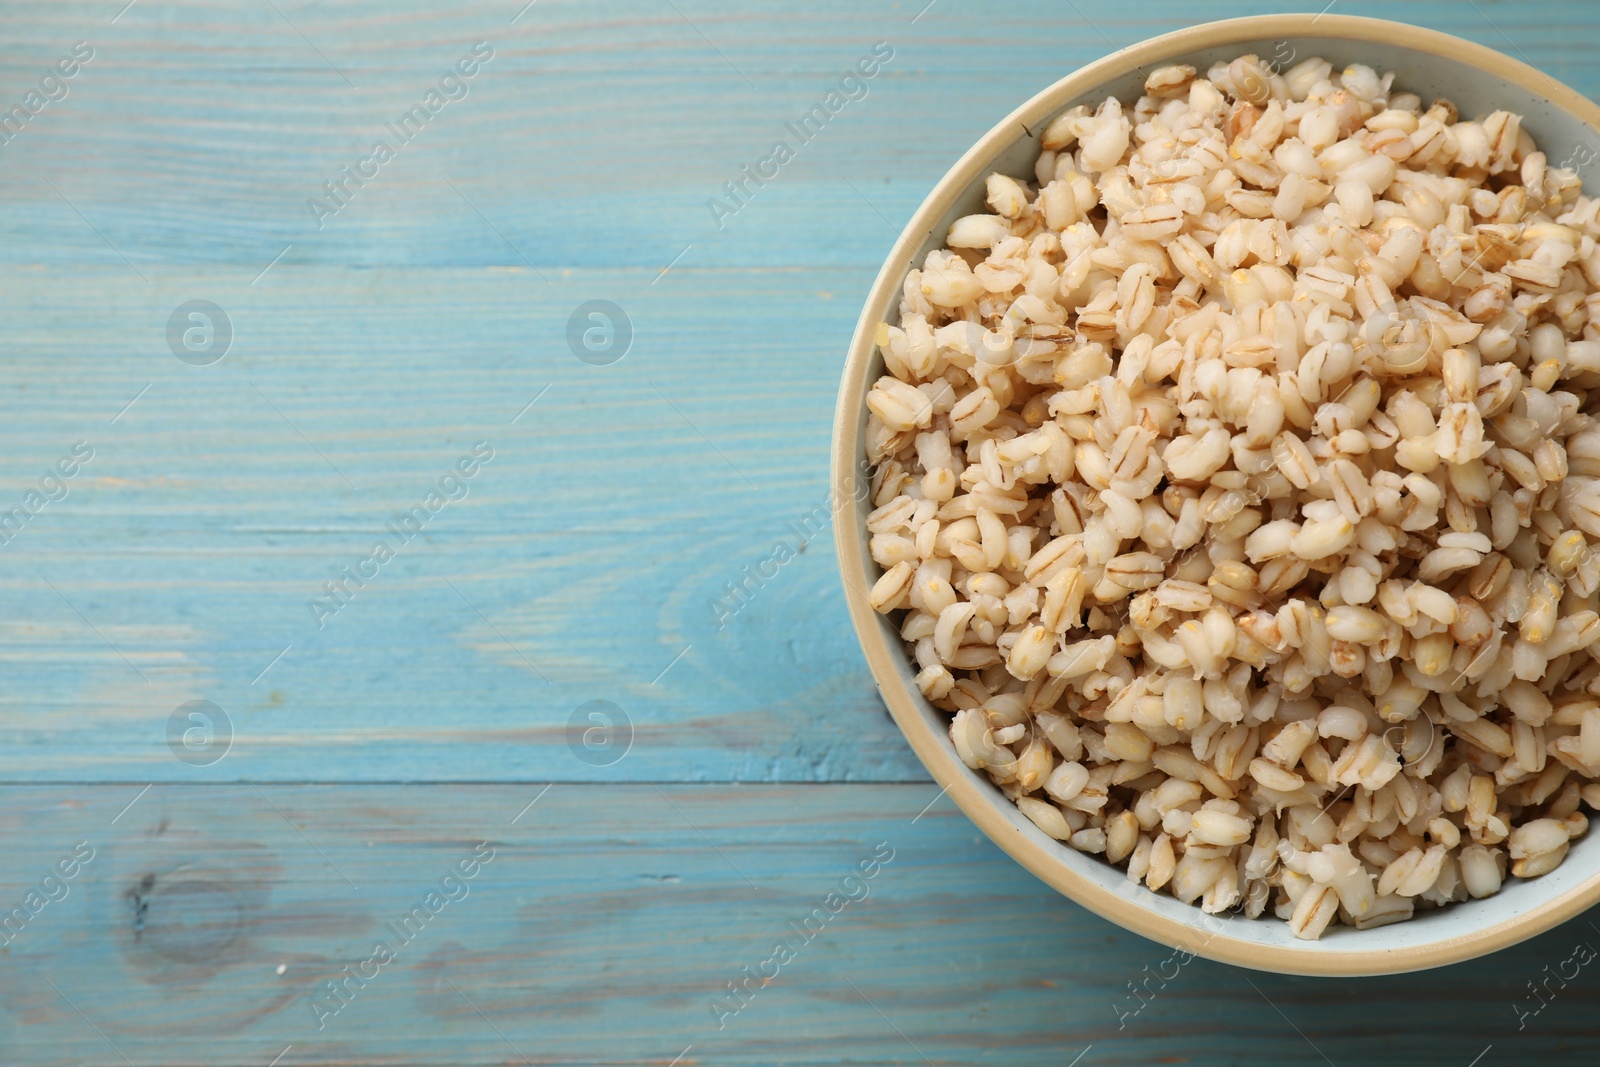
584, 559
372, 352
422, 318
610, 919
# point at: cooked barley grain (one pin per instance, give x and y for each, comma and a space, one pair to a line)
1236, 482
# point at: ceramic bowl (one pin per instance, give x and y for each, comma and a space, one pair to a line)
1478, 80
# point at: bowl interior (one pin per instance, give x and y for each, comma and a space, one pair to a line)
1435, 937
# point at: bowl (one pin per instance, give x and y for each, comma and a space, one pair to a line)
1478, 80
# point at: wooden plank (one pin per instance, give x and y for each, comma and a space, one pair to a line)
594, 137
610, 919
583, 563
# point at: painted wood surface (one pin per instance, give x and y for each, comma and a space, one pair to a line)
582, 563
611, 919
738, 764
373, 346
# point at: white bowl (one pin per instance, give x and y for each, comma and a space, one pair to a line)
1478, 80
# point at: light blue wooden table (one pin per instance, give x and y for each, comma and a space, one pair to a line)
412, 760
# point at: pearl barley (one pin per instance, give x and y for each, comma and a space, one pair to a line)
1237, 470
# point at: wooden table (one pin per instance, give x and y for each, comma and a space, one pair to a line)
411, 756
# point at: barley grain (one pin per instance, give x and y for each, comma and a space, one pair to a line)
1237, 477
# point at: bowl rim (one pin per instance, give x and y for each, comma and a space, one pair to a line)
976, 797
